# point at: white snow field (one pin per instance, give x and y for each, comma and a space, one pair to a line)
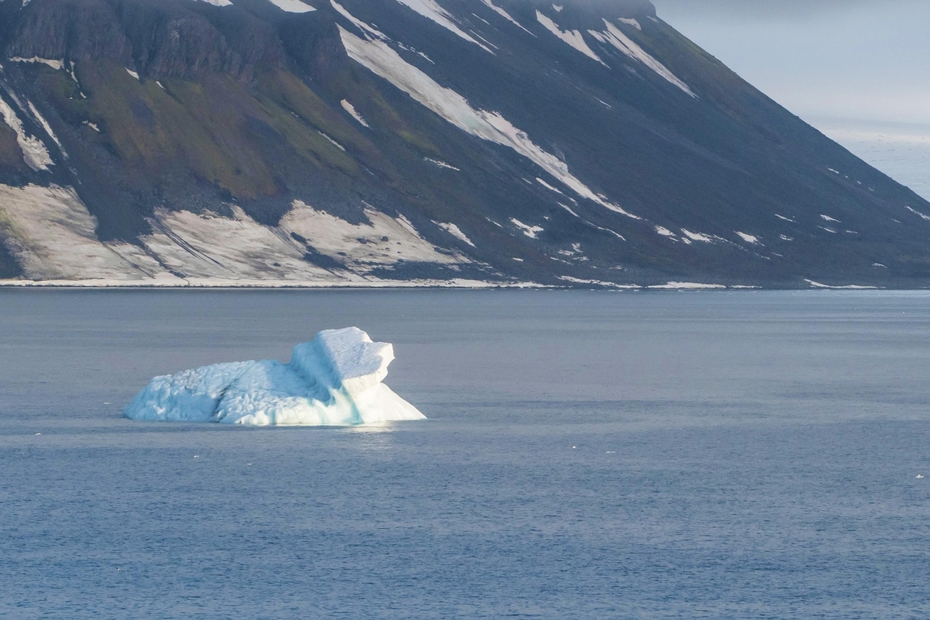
431, 10
379, 58
292, 6
53, 236
572, 37
506, 16
35, 154
335, 380
613, 36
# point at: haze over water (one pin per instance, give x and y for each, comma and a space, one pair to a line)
854, 69
588, 455
900, 150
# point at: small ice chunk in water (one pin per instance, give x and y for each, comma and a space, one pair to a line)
335, 380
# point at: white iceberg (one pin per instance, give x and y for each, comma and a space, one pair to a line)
335, 380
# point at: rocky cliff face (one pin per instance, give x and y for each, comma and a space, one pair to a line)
172, 141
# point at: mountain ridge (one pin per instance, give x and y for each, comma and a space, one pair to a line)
368, 143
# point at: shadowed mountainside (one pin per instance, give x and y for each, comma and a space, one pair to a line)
164, 141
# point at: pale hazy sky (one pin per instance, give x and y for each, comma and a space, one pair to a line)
860, 59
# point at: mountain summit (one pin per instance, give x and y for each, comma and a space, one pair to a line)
425, 141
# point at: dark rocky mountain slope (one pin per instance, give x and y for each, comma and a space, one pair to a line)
428, 141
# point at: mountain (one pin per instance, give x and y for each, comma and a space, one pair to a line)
417, 141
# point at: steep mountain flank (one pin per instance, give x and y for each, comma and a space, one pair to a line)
432, 141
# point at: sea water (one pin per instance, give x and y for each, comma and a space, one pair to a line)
588, 455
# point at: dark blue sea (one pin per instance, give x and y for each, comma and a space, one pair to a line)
588, 455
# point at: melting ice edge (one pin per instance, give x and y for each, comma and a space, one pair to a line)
334, 380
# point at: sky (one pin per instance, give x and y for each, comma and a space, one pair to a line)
857, 59
858, 70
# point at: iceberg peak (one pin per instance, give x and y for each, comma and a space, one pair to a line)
334, 380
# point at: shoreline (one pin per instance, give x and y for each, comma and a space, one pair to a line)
270, 285
196, 284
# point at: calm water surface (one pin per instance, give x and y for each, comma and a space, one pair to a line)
588, 455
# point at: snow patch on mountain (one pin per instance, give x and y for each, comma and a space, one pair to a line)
505, 15
613, 36
608, 230
441, 164
365, 28
35, 154
686, 286
292, 6
379, 58
212, 246
569, 209
48, 128
383, 241
665, 232
52, 235
918, 213
631, 22
847, 287
57, 65
209, 245
602, 283
575, 253
550, 187
455, 231
431, 10
696, 236
218, 2
573, 37
526, 229
332, 141
348, 107
335, 380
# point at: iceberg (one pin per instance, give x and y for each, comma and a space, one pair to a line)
334, 380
